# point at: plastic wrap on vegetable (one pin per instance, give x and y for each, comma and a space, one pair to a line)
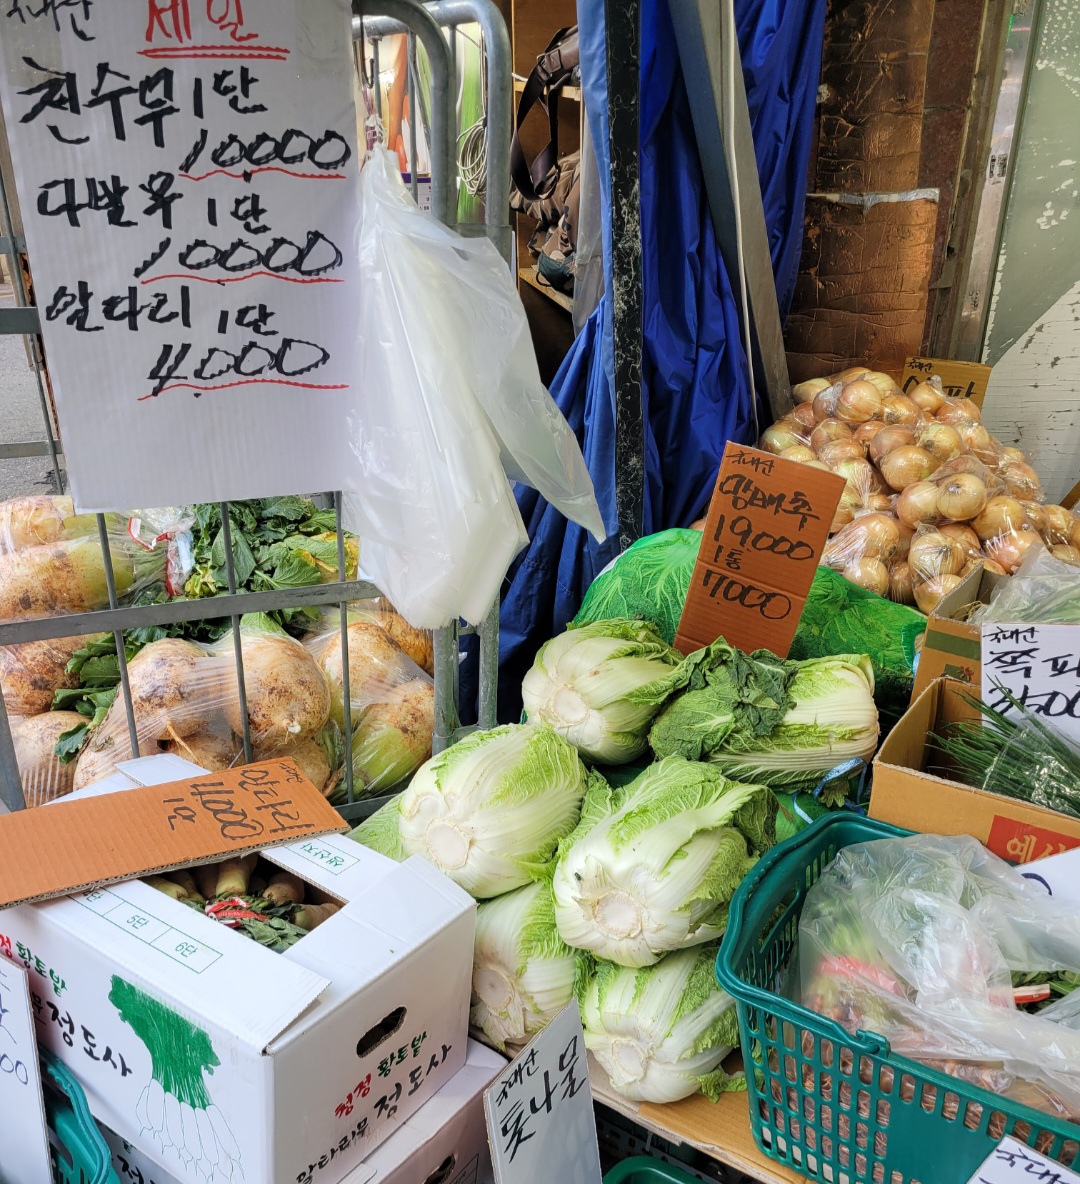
31, 672
439, 432
917, 939
417, 643
51, 561
44, 777
1044, 590
392, 702
185, 699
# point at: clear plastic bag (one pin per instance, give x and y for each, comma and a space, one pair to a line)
1044, 590
449, 406
917, 938
44, 777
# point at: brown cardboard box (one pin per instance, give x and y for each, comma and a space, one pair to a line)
951, 648
908, 796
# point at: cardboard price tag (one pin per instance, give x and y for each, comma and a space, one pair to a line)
539, 1110
86, 842
24, 1139
768, 522
1040, 666
1013, 1163
958, 379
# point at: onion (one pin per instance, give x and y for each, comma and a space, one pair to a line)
1007, 452
962, 497
859, 401
861, 477
827, 432
1059, 524
1036, 515
880, 503
799, 453
870, 574
818, 464
865, 432
900, 409
1009, 548
889, 439
964, 535
993, 568
928, 594
905, 466
845, 513
870, 536
825, 402
941, 440
884, 382
1022, 481
956, 411
839, 450
781, 436
933, 554
1066, 553
851, 374
927, 397
901, 583
917, 505
805, 392
1074, 537
1001, 515
903, 547
803, 415
977, 440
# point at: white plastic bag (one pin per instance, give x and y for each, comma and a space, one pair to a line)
448, 405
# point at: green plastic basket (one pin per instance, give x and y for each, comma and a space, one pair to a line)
833, 1106
641, 1169
79, 1153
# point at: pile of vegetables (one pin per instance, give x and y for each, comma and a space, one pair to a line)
929, 493
250, 895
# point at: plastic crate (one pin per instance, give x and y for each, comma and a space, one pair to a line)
79, 1153
643, 1170
833, 1106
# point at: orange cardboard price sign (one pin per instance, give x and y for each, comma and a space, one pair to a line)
767, 525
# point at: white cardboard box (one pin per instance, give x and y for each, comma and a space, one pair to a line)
444, 1142
285, 1068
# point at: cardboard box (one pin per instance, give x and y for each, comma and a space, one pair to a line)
444, 1142
906, 795
303, 1062
951, 648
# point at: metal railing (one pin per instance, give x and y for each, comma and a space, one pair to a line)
377, 18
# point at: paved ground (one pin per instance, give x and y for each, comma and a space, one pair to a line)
20, 416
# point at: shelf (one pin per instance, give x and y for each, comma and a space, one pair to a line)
720, 1130
528, 275
573, 93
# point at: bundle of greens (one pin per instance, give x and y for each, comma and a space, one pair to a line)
1015, 754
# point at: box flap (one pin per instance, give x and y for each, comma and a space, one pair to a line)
175, 952
84, 842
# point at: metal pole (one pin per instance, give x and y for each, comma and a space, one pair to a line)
416, 18
343, 617
238, 649
118, 636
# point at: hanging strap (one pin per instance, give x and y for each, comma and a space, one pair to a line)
553, 69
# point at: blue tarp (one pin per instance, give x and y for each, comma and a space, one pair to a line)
695, 391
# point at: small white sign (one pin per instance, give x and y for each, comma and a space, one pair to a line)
1040, 666
1014, 1163
1057, 875
540, 1119
24, 1137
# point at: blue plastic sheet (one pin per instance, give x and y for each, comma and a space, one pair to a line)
695, 390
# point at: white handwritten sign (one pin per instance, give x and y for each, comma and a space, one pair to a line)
24, 1139
1040, 666
539, 1110
1013, 1163
188, 180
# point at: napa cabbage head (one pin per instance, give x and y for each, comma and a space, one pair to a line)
661, 1032
652, 867
600, 685
489, 811
523, 972
828, 717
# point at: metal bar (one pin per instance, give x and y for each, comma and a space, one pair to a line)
623, 33
443, 139
487, 715
346, 690
411, 87
11, 246
118, 636
23, 299
15, 321
447, 720
26, 448
375, 75
11, 790
175, 611
712, 68
238, 648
